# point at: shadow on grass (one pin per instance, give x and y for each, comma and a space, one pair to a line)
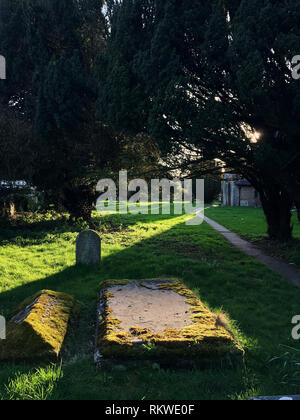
206, 263
37, 228
222, 276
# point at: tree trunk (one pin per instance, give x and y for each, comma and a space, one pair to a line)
80, 204
277, 206
12, 209
7, 208
55, 198
293, 188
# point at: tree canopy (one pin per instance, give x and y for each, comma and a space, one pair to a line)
204, 80
212, 78
52, 86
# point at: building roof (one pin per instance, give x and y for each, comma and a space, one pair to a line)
243, 183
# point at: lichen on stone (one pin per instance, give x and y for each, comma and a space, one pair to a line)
38, 326
202, 338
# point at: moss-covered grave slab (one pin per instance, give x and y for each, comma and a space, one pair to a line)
38, 327
159, 318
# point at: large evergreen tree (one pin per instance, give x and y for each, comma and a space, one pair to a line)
210, 77
51, 47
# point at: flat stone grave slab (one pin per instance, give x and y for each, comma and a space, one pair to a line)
161, 319
38, 327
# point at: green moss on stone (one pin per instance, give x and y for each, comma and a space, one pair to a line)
111, 283
39, 326
203, 338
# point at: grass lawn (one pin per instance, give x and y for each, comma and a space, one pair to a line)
251, 223
41, 255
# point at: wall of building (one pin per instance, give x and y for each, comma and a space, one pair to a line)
236, 195
249, 197
231, 193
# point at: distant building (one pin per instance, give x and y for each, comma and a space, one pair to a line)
237, 192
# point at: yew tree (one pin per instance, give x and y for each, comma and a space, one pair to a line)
212, 78
51, 48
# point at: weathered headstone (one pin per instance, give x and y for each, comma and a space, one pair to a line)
160, 319
38, 327
88, 248
2, 328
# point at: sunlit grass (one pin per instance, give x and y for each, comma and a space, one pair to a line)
41, 255
38, 385
251, 223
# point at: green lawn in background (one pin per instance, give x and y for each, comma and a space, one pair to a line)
251, 223
40, 254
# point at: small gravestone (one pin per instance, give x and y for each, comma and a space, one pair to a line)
2, 328
88, 248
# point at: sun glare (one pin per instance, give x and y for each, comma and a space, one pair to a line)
255, 136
